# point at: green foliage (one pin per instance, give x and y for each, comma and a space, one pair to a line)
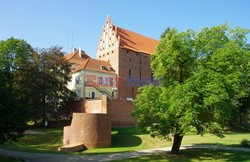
13, 112
245, 143
204, 75
165, 32
44, 82
13, 53
32, 86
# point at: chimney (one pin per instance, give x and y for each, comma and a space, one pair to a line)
80, 52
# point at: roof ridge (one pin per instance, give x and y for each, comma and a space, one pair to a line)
136, 33
87, 61
74, 53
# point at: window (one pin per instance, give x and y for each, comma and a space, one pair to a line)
152, 77
104, 68
129, 73
145, 56
136, 53
93, 95
103, 55
111, 69
101, 80
113, 51
107, 53
100, 56
77, 80
130, 60
108, 60
127, 51
111, 82
132, 89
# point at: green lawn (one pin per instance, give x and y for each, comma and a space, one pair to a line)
197, 155
123, 139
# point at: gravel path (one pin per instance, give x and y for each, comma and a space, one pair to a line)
41, 157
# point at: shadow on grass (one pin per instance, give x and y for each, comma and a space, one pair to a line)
196, 154
214, 154
120, 140
123, 140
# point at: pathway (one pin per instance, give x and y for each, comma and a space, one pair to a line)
41, 157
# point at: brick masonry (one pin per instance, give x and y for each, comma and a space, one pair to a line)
88, 129
120, 111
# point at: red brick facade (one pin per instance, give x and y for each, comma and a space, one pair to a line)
119, 111
129, 54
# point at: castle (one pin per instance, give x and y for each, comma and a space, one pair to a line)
121, 52
107, 86
129, 54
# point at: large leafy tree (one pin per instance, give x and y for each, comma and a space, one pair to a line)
13, 112
14, 53
43, 85
203, 77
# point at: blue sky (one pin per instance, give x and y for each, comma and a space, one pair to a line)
44, 23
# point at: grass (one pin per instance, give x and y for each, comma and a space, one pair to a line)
123, 140
196, 155
9, 159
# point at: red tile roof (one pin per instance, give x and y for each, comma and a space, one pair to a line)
94, 65
134, 41
75, 58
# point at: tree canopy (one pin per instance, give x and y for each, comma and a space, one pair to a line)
13, 112
32, 86
203, 74
44, 82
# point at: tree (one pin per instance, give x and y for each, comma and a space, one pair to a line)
13, 112
44, 82
14, 53
165, 32
202, 76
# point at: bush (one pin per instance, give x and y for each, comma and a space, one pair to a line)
245, 143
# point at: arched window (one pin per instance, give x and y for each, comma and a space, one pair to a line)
129, 73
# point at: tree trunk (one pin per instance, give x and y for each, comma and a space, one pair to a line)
44, 111
176, 144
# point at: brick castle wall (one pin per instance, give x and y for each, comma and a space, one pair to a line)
91, 130
120, 111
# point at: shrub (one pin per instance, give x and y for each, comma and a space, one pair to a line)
245, 143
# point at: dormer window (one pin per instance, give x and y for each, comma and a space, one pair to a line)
111, 69
104, 68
